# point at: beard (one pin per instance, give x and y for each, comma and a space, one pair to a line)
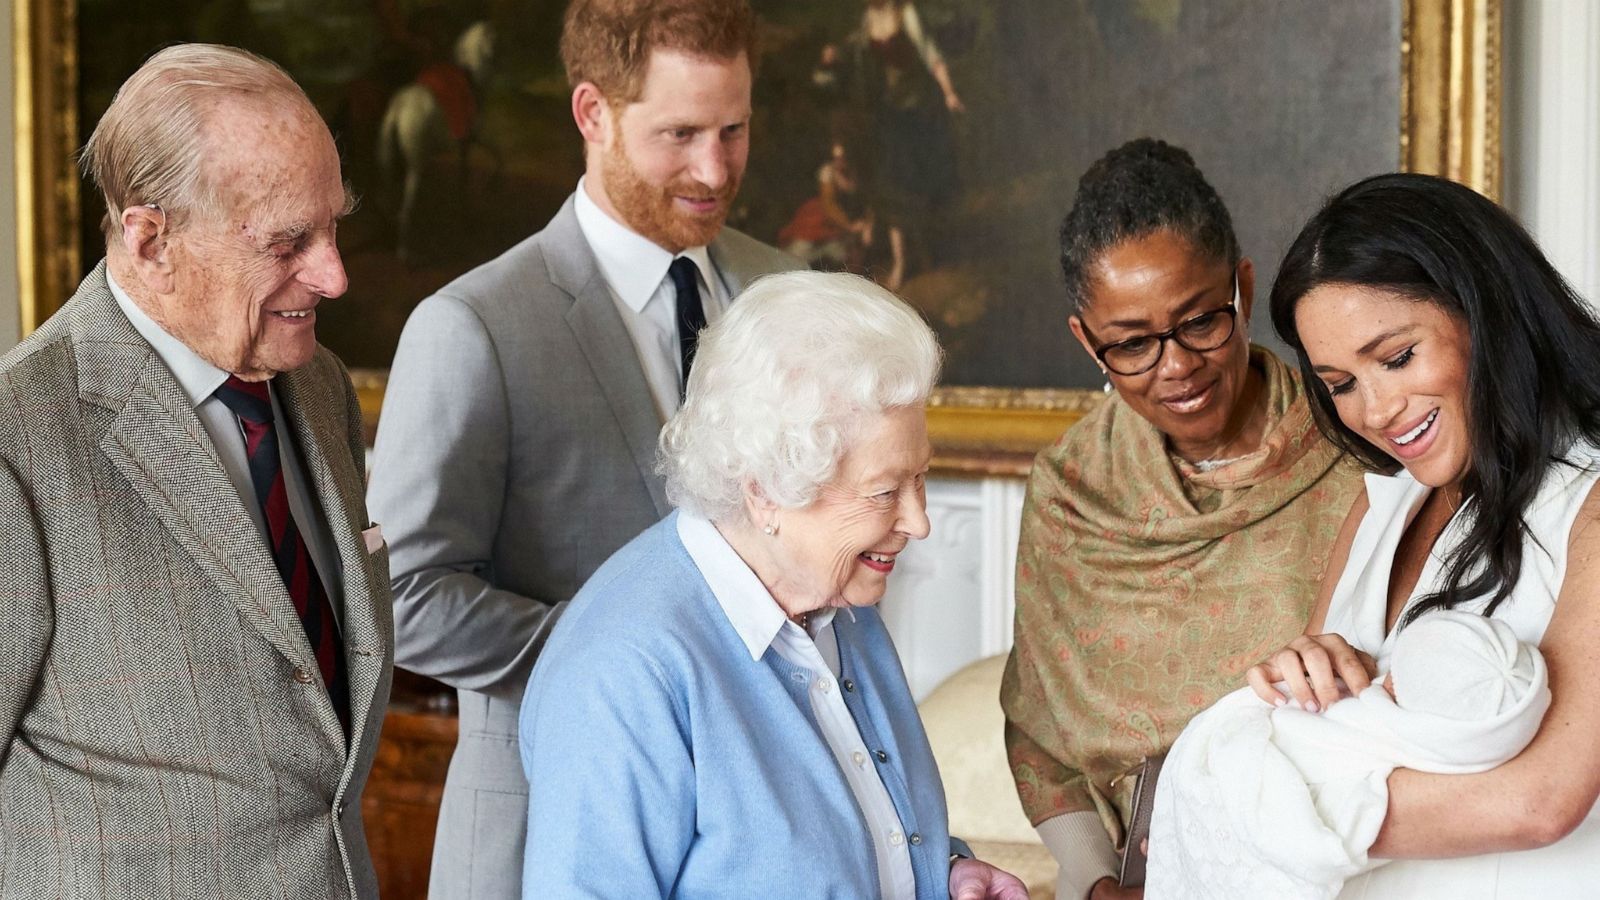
650, 210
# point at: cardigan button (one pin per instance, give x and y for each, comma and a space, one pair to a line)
915, 839
848, 685
882, 756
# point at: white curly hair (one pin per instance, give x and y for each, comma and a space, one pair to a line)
782, 383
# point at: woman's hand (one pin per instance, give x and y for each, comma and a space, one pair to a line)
972, 879
1311, 666
1108, 889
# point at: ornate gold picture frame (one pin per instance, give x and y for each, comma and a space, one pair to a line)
1450, 87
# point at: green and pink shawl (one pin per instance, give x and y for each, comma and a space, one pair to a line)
1146, 588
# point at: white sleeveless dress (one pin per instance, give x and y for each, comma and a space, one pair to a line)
1568, 868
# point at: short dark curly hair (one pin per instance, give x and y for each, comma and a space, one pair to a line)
1140, 187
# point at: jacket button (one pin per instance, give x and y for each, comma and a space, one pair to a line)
302, 676
915, 839
882, 756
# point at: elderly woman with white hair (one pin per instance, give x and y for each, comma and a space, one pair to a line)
720, 712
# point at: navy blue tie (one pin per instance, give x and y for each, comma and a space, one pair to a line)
691, 315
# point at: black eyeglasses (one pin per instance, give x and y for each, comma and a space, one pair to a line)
1201, 334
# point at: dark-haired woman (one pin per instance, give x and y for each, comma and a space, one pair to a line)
1174, 535
1449, 356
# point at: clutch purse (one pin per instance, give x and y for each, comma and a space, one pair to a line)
1131, 873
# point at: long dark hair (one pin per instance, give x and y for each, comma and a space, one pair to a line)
1533, 377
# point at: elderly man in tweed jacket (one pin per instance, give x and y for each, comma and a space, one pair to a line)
195, 624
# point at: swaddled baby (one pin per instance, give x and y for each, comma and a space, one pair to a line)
1259, 801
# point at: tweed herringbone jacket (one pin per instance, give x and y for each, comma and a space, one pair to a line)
163, 729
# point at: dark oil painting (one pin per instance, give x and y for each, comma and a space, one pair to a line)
931, 144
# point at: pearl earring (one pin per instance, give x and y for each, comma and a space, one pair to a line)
770, 530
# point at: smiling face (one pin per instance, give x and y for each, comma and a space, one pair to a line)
840, 549
1203, 402
668, 165
246, 283
1396, 368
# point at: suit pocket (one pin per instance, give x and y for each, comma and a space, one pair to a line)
488, 762
499, 837
378, 561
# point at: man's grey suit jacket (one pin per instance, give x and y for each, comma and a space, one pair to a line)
163, 729
515, 453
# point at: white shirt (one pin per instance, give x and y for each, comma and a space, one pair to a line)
761, 623
200, 380
635, 269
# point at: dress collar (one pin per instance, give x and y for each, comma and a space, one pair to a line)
747, 603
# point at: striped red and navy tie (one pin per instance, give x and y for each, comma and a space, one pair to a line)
252, 403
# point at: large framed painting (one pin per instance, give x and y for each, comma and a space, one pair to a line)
931, 144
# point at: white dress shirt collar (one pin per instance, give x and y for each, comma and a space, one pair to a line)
198, 378
632, 264
747, 603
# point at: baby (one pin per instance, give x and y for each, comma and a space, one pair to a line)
1263, 801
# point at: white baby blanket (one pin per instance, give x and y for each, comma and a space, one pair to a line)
1261, 802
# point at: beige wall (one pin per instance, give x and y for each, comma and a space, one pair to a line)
1552, 131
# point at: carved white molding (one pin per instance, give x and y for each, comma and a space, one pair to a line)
951, 597
1553, 134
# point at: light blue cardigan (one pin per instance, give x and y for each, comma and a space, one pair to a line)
663, 761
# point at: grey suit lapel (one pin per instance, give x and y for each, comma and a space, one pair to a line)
321, 434
730, 269
162, 450
160, 447
606, 345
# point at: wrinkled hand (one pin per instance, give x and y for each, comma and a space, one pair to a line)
972, 879
1310, 667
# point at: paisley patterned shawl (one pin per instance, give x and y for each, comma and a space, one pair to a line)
1145, 589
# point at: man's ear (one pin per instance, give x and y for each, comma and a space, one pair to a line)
145, 240
592, 113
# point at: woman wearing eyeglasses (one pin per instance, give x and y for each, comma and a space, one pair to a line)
1172, 537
